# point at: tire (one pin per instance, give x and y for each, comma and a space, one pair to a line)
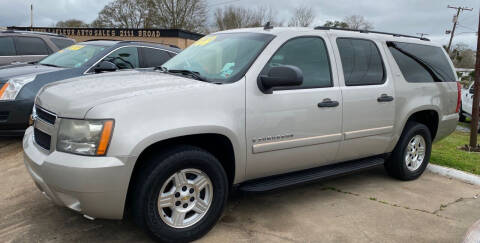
461, 117
397, 165
162, 173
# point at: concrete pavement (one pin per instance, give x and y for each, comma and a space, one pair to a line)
366, 207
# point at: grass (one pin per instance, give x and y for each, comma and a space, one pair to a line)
446, 153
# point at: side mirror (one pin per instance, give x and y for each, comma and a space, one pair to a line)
105, 66
280, 76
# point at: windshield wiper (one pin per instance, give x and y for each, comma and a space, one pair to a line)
49, 65
437, 76
193, 74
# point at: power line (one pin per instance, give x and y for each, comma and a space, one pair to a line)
455, 22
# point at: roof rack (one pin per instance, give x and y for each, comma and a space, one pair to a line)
373, 32
101, 40
32, 32
151, 42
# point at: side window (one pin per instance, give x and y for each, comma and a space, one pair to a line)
361, 61
124, 58
310, 55
421, 63
31, 46
153, 57
62, 43
7, 48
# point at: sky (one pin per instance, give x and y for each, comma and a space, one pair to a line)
399, 16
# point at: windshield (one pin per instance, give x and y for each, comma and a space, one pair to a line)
220, 57
72, 56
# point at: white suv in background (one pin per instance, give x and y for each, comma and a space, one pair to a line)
467, 104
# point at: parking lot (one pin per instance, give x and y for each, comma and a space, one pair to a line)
361, 208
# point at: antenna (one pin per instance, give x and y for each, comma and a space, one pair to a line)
267, 26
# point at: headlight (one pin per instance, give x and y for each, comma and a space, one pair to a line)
86, 137
10, 89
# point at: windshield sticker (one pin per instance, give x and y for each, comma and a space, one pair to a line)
204, 40
75, 47
227, 69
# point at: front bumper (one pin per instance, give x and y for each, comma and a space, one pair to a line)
94, 186
14, 116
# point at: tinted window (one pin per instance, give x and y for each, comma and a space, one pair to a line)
422, 63
154, 57
7, 48
124, 58
62, 43
31, 46
361, 61
310, 55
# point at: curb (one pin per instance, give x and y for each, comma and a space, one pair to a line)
455, 174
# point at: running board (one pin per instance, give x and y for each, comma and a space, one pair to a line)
310, 175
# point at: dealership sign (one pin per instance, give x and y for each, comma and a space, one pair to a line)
114, 32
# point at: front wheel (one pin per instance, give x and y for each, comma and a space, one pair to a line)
412, 152
180, 195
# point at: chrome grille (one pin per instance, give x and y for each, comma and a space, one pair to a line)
45, 115
42, 139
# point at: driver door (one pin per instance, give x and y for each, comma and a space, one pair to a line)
124, 57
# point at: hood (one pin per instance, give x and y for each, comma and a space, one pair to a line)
10, 71
74, 97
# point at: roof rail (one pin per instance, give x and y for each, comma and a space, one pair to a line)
373, 32
32, 32
151, 42
100, 39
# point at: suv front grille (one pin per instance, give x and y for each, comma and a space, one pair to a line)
45, 115
42, 139
3, 115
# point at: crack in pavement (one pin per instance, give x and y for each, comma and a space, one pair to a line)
250, 232
442, 206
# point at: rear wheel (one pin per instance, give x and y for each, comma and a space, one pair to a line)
412, 152
180, 195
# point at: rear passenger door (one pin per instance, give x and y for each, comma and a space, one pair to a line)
152, 57
31, 49
368, 98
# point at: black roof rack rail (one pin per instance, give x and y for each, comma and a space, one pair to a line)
373, 32
100, 39
151, 42
32, 32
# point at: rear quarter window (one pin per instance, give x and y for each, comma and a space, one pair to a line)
62, 43
31, 46
7, 47
415, 60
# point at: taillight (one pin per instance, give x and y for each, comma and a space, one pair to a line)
459, 97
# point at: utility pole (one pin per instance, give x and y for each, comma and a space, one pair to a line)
31, 15
476, 94
455, 21
421, 35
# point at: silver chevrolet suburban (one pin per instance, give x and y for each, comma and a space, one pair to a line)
249, 109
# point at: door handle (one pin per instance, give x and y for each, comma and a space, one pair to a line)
328, 103
385, 98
